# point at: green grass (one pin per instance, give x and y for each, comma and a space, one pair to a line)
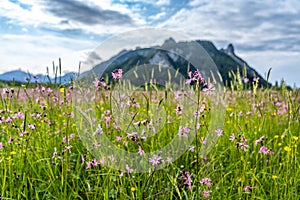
31, 170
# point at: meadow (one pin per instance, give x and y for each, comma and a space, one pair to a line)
256, 155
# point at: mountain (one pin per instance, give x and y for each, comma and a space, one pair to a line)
171, 54
167, 55
17, 75
24, 77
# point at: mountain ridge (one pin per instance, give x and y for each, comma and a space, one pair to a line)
21, 76
225, 60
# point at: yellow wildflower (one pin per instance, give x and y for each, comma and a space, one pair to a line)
287, 148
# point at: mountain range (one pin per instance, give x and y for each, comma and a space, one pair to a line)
24, 77
226, 61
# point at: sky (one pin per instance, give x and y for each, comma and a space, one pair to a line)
266, 34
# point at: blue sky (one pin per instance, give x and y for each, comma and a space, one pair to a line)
264, 33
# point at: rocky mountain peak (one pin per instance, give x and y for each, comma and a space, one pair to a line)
230, 49
169, 41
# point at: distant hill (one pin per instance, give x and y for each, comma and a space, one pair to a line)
225, 59
23, 77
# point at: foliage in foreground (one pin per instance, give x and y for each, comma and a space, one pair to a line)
42, 155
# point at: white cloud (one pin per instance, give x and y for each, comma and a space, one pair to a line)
153, 2
238, 20
158, 16
39, 16
34, 53
163, 2
284, 65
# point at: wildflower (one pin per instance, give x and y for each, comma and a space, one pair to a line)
183, 131
209, 87
133, 189
206, 193
243, 146
264, 150
206, 181
243, 139
5, 91
68, 147
94, 162
259, 140
219, 132
169, 159
1, 145
98, 83
8, 120
274, 177
195, 77
117, 74
111, 158
10, 140
62, 90
287, 148
204, 141
178, 110
295, 138
188, 181
246, 80
23, 133
49, 90
88, 164
141, 151
82, 159
247, 188
136, 104
18, 115
102, 162
31, 126
197, 114
96, 144
155, 160
64, 139
240, 114
98, 131
13, 153
192, 149
255, 79
118, 138
128, 169
278, 104
133, 136
54, 153
232, 137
